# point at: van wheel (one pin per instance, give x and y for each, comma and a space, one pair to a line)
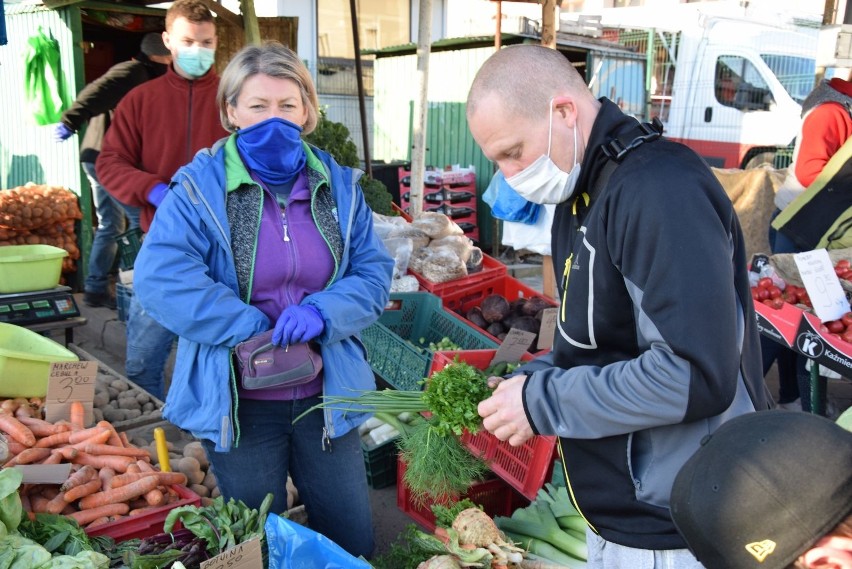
761, 158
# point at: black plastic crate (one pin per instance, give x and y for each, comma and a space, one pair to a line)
381, 463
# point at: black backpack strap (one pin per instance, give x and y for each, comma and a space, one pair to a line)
617, 148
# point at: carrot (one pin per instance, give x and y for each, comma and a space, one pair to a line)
54, 440
84, 517
96, 439
80, 436
82, 490
54, 458
133, 468
39, 504
42, 428
28, 456
165, 478
67, 453
117, 463
122, 494
145, 466
56, 504
124, 438
81, 476
98, 522
100, 449
114, 439
25, 501
17, 430
14, 446
142, 510
137, 504
77, 415
106, 474
155, 497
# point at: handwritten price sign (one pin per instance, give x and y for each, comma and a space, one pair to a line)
70, 381
822, 284
246, 555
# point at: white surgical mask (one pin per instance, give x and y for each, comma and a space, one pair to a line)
543, 182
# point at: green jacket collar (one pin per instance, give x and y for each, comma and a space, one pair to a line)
236, 173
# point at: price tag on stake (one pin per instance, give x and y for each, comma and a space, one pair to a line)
548, 328
514, 346
822, 284
245, 555
67, 382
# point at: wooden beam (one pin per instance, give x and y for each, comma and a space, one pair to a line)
548, 23
226, 15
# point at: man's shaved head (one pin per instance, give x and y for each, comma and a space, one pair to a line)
525, 77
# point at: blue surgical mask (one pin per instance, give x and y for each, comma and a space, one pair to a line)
273, 150
542, 181
195, 60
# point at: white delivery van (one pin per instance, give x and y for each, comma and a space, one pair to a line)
729, 88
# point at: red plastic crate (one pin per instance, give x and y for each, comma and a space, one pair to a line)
147, 524
495, 496
491, 268
461, 301
527, 467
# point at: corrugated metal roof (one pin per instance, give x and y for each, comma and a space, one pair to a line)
564, 41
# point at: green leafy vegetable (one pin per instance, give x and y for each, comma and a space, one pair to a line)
445, 515
453, 395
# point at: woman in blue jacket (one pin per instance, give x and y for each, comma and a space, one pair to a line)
262, 232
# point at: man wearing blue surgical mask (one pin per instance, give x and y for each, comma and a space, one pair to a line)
656, 342
157, 128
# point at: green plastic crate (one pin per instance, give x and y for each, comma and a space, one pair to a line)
409, 317
380, 462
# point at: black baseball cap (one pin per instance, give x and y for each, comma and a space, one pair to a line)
152, 44
763, 488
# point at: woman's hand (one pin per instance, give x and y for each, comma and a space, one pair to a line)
297, 324
503, 413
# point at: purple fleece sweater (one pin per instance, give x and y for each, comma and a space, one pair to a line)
291, 262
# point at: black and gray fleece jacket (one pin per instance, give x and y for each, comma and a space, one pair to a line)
656, 343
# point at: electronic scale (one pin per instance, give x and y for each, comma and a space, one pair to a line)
38, 306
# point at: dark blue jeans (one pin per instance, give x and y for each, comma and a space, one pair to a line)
793, 377
332, 483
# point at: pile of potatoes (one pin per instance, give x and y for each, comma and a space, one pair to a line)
117, 400
192, 461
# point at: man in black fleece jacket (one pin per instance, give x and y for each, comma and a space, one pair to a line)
94, 105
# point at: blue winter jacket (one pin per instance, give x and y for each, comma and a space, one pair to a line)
186, 280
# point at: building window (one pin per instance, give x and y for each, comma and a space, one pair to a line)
381, 23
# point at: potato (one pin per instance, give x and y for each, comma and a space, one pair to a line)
210, 480
196, 451
191, 468
200, 489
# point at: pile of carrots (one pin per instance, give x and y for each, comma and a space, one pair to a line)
110, 478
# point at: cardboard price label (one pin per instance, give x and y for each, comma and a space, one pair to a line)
246, 555
67, 382
822, 284
514, 346
548, 328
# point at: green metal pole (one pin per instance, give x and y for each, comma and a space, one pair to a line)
650, 55
818, 390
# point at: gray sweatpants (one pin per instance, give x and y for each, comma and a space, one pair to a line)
607, 555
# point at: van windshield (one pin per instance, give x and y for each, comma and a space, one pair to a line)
796, 74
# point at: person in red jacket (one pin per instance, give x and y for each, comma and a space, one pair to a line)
157, 128
825, 128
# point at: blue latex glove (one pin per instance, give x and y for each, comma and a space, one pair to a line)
297, 324
62, 132
157, 194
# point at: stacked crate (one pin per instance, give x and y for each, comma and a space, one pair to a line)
452, 193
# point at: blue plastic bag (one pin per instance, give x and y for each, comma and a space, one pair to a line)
507, 204
293, 546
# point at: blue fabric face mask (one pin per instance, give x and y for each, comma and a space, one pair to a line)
273, 150
195, 60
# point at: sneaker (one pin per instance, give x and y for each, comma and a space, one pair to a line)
96, 299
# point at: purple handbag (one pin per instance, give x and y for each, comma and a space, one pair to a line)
262, 364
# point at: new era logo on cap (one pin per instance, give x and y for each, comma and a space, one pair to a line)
761, 549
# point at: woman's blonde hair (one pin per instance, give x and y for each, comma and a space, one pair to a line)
275, 60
